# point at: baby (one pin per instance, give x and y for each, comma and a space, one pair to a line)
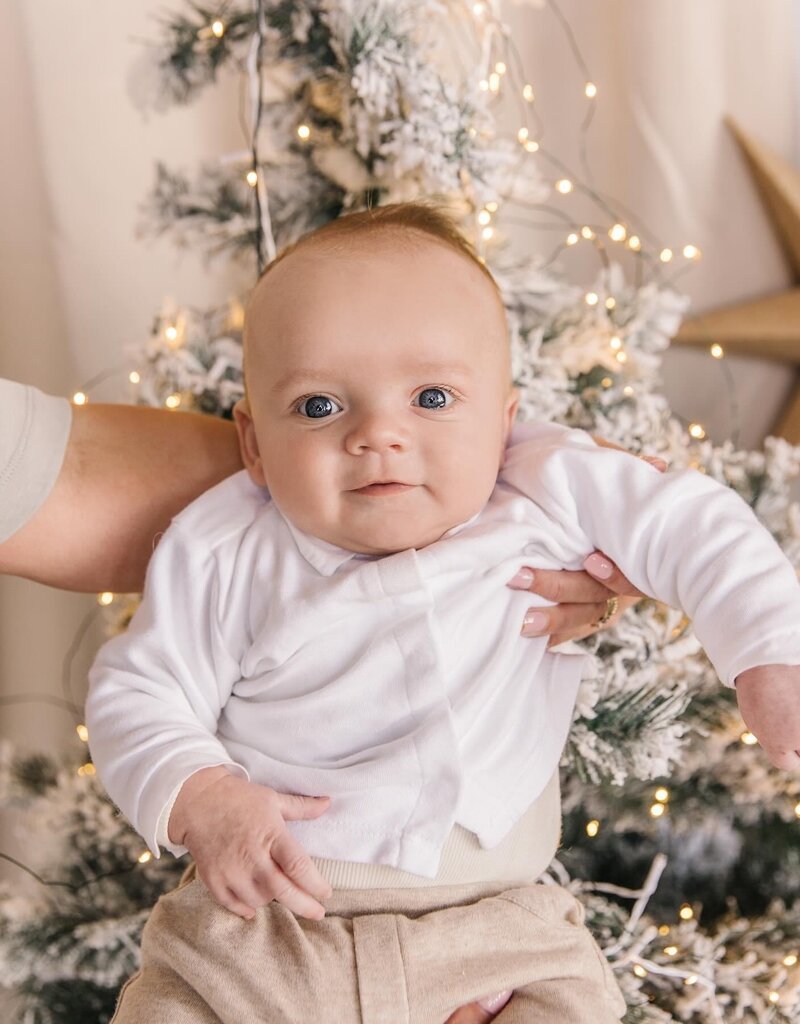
303, 703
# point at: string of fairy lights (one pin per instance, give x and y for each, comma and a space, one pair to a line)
501, 77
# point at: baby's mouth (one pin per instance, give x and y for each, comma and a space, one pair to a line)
385, 488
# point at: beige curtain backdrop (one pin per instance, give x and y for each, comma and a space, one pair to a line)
76, 158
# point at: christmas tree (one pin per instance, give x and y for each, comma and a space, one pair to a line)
678, 835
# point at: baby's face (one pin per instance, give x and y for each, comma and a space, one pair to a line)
371, 366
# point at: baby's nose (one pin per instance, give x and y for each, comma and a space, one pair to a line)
376, 431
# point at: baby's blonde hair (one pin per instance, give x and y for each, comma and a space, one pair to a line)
427, 216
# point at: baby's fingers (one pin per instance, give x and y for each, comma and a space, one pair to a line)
295, 863
788, 760
294, 807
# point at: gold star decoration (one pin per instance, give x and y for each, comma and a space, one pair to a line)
769, 326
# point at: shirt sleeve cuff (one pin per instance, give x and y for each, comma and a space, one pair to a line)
162, 827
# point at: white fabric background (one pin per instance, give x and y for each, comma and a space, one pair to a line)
76, 159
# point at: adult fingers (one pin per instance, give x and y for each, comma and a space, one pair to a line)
606, 572
654, 460
481, 1011
572, 586
296, 864
565, 618
585, 628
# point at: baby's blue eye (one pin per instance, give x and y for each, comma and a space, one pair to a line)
434, 398
317, 407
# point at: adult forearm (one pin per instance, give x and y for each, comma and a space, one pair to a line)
126, 472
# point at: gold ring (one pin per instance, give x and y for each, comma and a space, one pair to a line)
611, 607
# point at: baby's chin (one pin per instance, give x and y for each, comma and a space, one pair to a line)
386, 538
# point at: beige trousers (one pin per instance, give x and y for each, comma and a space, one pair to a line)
379, 956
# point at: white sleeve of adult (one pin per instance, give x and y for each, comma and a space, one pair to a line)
156, 691
34, 430
680, 537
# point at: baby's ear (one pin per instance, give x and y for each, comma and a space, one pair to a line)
248, 442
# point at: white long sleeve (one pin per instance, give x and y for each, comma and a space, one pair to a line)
156, 691
680, 537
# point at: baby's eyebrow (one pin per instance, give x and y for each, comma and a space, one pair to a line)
435, 367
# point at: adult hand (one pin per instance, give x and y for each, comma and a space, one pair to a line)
581, 597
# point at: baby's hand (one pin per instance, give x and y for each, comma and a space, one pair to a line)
236, 832
769, 700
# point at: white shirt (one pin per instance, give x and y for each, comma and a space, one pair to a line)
400, 685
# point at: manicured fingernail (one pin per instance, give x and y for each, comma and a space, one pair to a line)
598, 566
534, 623
493, 1003
522, 580
654, 460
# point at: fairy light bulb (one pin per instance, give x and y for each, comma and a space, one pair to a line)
606, 382
303, 131
611, 302
79, 398
522, 135
627, 390
218, 28
500, 68
717, 351
564, 186
492, 206
134, 377
665, 255
483, 85
790, 960
750, 740
587, 233
252, 178
143, 858
662, 794
691, 979
487, 233
616, 343
635, 243
592, 828
528, 94
572, 239
691, 252
618, 233
478, 9
774, 997
494, 82
686, 913
591, 298
531, 146
172, 401
663, 929
83, 733
796, 807
591, 90
171, 333
105, 598
671, 950
622, 357
639, 971
87, 769
697, 431
657, 810
484, 217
